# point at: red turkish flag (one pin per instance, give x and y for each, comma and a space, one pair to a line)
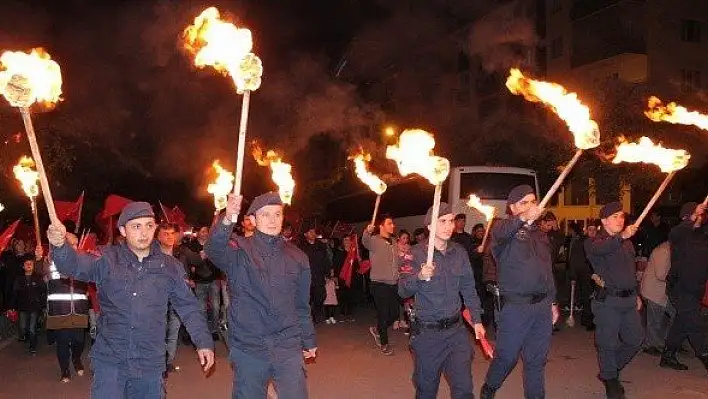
6, 235
67, 210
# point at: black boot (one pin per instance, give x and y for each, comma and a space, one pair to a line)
613, 389
669, 361
487, 392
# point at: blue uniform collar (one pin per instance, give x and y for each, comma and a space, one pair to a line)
154, 250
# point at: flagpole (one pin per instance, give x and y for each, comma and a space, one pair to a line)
81, 209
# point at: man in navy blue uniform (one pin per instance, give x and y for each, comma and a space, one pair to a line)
135, 281
439, 340
270, 325
619, 333
527, 292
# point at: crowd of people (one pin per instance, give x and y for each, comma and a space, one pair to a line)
263, 287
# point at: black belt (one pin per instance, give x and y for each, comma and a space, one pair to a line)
621, 293
524, 299
442, 324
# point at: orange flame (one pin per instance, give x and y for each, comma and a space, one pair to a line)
27, 176
27, 78
2, 207
281, 172
361, 167
414, 154
566, 105
222, 186
227, 48
646, 151
674, 113
476, 203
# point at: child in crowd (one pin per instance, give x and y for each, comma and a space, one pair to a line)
331, 303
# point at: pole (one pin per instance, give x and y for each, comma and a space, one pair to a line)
376, 209
43, 181
81, 210
35, 216
486, 234
656, 196
242, 141
434, 223
559, 180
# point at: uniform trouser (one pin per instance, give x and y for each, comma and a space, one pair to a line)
173, 325
438, 351
111, 381
386, 302
659, 319
28, 327
689, 323
251, 376
70, 346
210, 291
618, 335
523, 329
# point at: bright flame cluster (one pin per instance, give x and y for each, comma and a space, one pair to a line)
26, 78
2, 207
414, 154
225, 47
566, 105
674, 113
486, 210
281, 172
362, 172
646, 151
27, 176
222, 186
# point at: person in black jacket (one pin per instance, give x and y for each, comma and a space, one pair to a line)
580, 271
320, 266
686, 284
204, 275
29, 298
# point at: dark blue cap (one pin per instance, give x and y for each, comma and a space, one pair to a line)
269, 198
610, 209
444, 209
518, 193
135, 210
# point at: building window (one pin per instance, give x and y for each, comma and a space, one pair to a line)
557, 47
690, 31
690, 80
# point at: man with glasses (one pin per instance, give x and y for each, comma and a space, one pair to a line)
523, 256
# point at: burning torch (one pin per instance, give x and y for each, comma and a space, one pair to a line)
567, 106
374, 182
281, 172
221, 187
488, 212
28, 180
414, 154
227, 48
646, 151
26, 79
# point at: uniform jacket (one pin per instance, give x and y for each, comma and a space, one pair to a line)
612, 258
439, 298
269, 288
523, 258
134, 297
689, 260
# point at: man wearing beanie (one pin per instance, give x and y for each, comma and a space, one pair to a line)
135, 282
439, 340
686, 284
616, 303
270, 325
527, 293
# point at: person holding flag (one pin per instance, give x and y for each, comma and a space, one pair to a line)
439, 340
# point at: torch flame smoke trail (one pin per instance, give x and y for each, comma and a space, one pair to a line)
227, 48
414, 154
222, 185
281, 172
566, 105
476, 203
362, 172
674, 113
27, 176
645, 151
26, 78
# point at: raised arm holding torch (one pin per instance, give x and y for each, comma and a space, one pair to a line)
26, 79
567, 106
374, 182
646, 151
414, 154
